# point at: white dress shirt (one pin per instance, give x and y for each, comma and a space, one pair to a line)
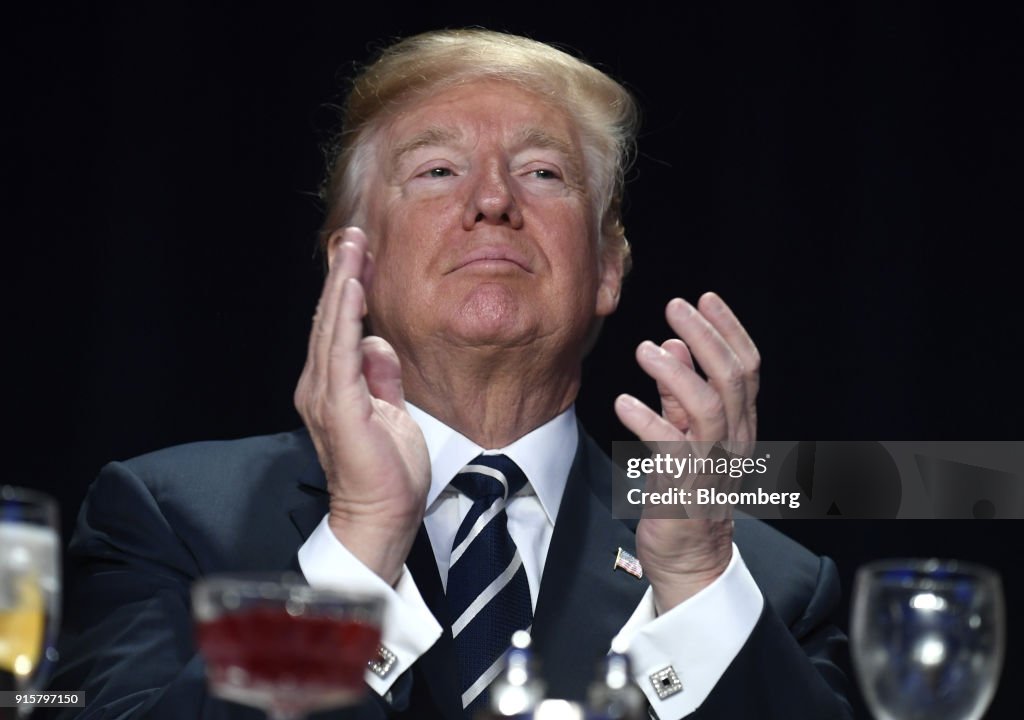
698, 639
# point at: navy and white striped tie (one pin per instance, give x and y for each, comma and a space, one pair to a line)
488, 593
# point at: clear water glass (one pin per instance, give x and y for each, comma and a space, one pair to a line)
928, 638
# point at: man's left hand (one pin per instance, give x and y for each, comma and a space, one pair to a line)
682, 557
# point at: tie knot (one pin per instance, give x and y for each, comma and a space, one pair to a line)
488, 477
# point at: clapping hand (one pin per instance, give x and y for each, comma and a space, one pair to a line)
350, 398
681, 557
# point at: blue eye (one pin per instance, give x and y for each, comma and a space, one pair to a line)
438, 172
544, 174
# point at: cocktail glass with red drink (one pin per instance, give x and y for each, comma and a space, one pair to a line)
278, 644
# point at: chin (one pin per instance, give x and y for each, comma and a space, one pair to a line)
490, 332
491, 316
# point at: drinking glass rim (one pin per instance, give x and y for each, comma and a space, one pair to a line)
246, 581
932, 569
41, 509
21, 494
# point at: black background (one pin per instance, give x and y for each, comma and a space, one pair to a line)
848, 177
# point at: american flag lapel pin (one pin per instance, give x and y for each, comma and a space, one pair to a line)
626, 561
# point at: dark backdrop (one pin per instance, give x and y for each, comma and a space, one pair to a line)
848, 178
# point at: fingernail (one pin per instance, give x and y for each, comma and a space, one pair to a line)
354, 234
679, 306
714, 301
650, 350
627, 401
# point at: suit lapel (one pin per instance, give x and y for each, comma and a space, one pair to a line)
307, 512
583, 601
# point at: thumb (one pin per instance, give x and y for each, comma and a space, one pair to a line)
382, 370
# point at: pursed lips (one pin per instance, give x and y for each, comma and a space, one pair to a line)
493, 254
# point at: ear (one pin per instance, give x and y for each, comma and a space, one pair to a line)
612, 268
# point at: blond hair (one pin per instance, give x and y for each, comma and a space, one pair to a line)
412, 68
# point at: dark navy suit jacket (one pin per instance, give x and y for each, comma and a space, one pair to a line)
152, 525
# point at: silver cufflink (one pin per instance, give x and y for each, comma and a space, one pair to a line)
666, 683
382, 664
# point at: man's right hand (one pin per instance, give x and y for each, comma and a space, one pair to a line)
350, 398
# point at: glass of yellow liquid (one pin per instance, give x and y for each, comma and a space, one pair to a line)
29, 587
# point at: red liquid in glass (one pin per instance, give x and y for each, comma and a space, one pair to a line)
265, 648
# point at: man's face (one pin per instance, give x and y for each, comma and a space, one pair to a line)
482, 227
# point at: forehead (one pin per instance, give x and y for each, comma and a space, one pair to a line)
482, 110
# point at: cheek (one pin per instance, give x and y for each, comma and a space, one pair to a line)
420, 216
577, 281
577, 246
405, 246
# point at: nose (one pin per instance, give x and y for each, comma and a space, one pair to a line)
492, 200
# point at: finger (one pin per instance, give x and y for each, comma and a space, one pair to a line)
354, 235
701, 402
671, 408
355, 260
346, 247
677, 348
732, 331
345, 363
326, 305
382, 371
320, 332
347, 264
722, 366
643, 422
369, 267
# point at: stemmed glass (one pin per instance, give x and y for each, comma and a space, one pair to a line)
927, 638
275, 643
29, 589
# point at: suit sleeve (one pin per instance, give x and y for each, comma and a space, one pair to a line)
716, 623
721, 643
788, 671
127, 639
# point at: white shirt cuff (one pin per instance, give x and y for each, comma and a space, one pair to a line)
410, 629
698, 638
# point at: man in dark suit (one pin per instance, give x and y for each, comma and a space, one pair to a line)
473, 223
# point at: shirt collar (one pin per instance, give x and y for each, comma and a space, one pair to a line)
544, 454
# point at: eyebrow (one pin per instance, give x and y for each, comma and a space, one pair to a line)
535, 137
434, 135
540, 138
531, 137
